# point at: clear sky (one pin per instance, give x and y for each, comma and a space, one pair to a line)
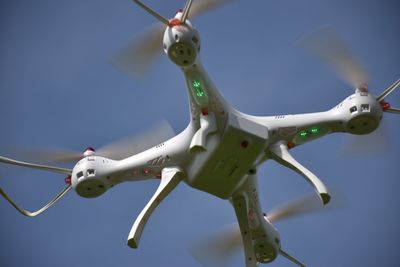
59, 90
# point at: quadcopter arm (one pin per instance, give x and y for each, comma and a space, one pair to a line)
170, 177
280, 153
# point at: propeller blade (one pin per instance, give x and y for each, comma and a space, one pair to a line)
328, 45
117, 150
201, 7
45, 156
219, 249
216, 251
375, 143
41, 210
137, 57
138, 143
35, 166
186, 10
389, 90
152, 12
393, 110
291, 258
304, 205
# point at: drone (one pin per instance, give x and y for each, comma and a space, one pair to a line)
221, 149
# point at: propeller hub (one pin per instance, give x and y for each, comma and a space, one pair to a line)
174, 22
89, 152
362, 88
181, 43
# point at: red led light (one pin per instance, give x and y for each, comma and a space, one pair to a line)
290, 144
146, 171
385, 105
204, 111
68, 180
174, 22
90, 149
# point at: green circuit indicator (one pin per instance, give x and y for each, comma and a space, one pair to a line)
303, 134
197, 87
196, 84
314, 130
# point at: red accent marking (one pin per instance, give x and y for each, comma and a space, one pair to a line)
290, 144
385, 105
90, 149
146, 171
204, 111
68, 180
244, 144
158, 175
175, 22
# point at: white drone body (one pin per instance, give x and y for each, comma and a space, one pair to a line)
221, 149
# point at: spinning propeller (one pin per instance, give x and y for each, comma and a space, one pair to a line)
329, 46
136, 58
116, 150
217, 250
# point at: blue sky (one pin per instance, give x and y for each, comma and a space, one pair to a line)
59, 90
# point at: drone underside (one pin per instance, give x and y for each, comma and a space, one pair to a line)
221, 149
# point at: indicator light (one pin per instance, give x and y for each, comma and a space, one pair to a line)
385, 105
290, 144
314, 130
199, 92
174, 22
303, 134
197, 87
68, 180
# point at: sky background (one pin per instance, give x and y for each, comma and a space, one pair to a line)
59, 90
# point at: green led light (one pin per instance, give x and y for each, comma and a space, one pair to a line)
197, 87
196, 84
303, 134
315, 130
